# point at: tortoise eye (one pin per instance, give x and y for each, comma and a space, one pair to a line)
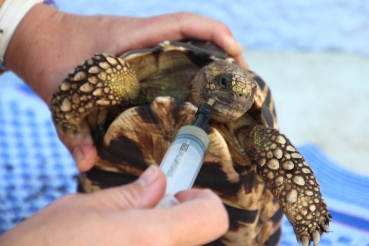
223, 82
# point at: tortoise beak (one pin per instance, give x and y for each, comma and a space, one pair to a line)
225, 112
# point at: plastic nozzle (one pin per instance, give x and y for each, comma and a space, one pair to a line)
203, 114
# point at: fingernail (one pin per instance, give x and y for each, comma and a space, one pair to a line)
77, 155
85, 134
239, 45
149, 176
236, 47
242, 62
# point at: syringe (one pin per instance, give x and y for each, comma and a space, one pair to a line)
184, 157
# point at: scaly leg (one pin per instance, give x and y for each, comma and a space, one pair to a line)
290, 179
99, 82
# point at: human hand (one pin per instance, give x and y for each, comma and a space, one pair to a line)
125, 216
48, 44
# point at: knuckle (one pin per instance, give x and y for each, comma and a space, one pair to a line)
130, 196
222, 27
184, 14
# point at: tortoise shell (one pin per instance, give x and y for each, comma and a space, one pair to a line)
136, 103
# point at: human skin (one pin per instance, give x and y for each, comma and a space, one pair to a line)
125, 216
46, 45
49, 43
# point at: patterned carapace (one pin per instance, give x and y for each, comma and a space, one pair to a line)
135, 104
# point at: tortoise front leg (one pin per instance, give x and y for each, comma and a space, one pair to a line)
99, 82
291, 180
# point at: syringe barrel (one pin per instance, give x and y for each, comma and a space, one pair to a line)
184, 158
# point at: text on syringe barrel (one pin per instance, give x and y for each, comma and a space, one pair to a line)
182, 162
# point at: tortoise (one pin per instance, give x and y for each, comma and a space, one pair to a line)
134, 105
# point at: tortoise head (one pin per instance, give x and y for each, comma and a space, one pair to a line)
230, 85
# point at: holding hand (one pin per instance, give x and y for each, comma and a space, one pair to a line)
60, 41
125, 216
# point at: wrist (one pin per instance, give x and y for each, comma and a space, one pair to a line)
49, 43
24, 52
11, 14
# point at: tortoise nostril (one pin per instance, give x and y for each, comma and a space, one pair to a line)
240, 95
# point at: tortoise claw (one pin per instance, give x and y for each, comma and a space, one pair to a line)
305, 241
316, 237
325, 227
298, 238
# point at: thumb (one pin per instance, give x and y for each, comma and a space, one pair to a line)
145, 192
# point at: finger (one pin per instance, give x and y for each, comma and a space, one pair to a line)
242, 61
177, 26
202, 218
81, 147
145, 192
199, 219
192, 26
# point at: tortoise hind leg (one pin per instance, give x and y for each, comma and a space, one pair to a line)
99, 82
289, 178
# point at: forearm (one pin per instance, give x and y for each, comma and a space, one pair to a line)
46, 36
